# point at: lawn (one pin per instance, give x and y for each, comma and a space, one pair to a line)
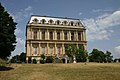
79, 71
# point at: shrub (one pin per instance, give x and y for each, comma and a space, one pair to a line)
42, 61
49, 59
34, 61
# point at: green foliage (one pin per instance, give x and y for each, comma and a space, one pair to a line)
108, 56
49, 59
97, 56
34, 61
71, 50
42, 61
43, 56
7, 36
21, 57
79, 53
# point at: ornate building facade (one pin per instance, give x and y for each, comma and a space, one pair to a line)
51, 35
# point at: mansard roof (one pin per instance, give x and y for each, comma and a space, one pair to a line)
47, 18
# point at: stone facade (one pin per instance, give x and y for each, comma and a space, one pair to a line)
51, 35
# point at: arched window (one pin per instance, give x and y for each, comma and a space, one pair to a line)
58, 22
71, 23
35, 20
43, 21
65, 22
51, 21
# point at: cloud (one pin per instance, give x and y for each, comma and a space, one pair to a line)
18, 31
101, 10
22, 14
20, 47
80, 13
98, 28
116, 52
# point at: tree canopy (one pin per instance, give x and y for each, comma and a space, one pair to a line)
7, 36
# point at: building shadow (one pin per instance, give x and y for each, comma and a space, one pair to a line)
4, 68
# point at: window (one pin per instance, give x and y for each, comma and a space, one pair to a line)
43, 46
50, 21
43, 35
58, 50
65, 35
58, 22
65, 22
35, 20
35, 34
78, 23
58, 35
79, 36
72, 36
35, 47
43, 21
71, 23
51, 50
51, 35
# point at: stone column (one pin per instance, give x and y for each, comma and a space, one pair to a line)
84, 35
39, 49
47, 48
40, 35
63, 49
69, 35
62, 35
28, 49
85, 48
81, 36
31, 49
55, 50
55, 35
76, 36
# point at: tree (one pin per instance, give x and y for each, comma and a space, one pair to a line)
71, 51
108, 56
81, 55
7, 36
97, 56
23, 57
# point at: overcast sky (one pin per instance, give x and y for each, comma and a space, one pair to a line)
100, 17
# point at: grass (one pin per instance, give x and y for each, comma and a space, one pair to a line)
79, 71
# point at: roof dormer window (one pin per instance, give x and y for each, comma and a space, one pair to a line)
58, 22
43, 21
71, 23
35, 20
51, 21
65, 22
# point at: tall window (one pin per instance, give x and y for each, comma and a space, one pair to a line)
79, 36
35, 48
43, 35
43, 46
51, 35
58, 35
72, 36
58, 50
35, 34
65, 35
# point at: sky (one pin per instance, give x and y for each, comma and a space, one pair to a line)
100, 17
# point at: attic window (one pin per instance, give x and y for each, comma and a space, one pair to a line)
35, 20
71, 23
50, 21
43, 21
65, 22
58, 22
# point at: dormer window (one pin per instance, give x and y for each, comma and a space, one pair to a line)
71, 23
78, 23
65, 22
43, 21
57, 22
51, 21
35, 20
